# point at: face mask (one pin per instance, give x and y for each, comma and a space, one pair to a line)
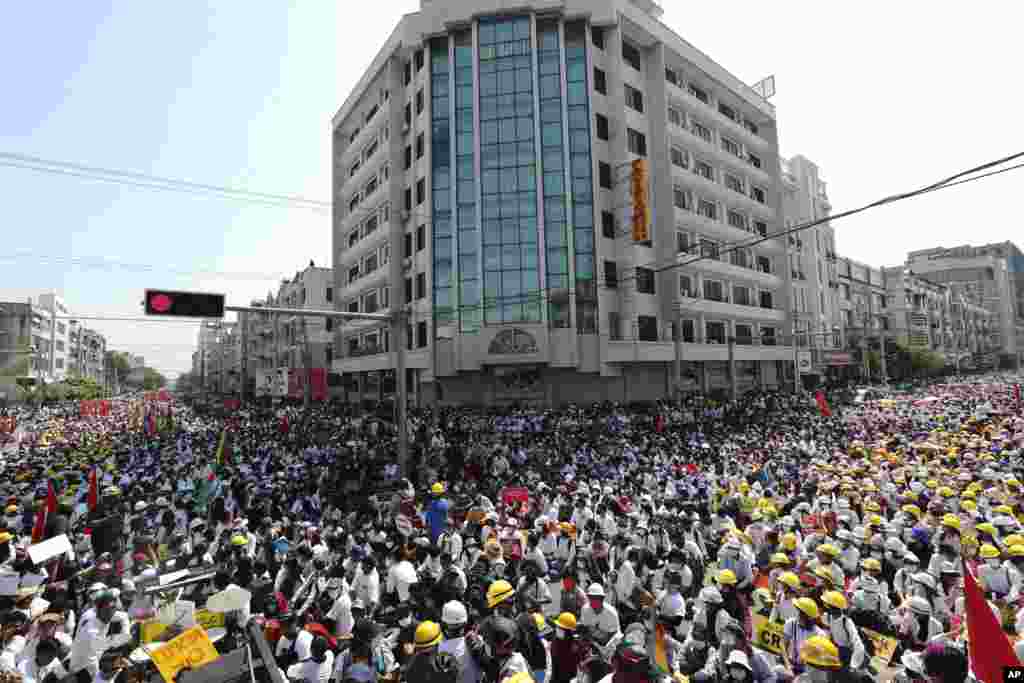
992, 562
597, 605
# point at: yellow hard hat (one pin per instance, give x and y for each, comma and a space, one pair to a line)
931, 483
1003, 510
969, 505
11, 509
499, 592
828, 549
239, 540
566, 620
951, 521
437, 488
6, 536
872, 565
987, 527
989, 552
780, 559
834, 599
872, 506
789, 541
726, 577
790, 579
518, 677
1016, 551
822, 572
1012, 540
807, 606
912, 509
821, 653
875, 520
428, 634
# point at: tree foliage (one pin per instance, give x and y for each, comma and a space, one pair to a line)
152, 380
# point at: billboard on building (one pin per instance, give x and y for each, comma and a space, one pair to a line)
317, 380
641, 206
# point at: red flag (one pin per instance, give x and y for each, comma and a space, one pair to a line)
990, 649
93, 498
40, 527
51, 499
823, 404
1016, 392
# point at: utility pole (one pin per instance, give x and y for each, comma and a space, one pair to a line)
881, 359
399, 322
677, 362
244, 319
732, 368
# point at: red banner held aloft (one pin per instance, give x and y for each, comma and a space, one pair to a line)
317, 380
232, 404
823, 406
990, 649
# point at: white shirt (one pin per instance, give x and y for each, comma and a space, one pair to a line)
311, 672
607, 620
32, 673
400, 578
341, 613
92, 640
456, 647
367, 587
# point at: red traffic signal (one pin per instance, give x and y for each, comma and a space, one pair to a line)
184, 304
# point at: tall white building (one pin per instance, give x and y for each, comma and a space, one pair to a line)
482, 179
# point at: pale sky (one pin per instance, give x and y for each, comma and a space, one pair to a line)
241, 94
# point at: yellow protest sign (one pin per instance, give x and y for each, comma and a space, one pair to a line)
767, 634
150, 630
885, 646
192, 649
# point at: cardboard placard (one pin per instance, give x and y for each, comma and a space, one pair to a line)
49, 549
885, 646
192, 649
150, 630
767, 634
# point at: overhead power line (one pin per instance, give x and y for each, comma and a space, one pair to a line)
153, 182
109, 265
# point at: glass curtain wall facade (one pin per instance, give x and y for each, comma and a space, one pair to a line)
493, 240
441, 180
508, 172
556, 238
582, 196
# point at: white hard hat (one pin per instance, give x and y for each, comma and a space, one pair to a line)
672, 606
454, 614
709, 595
738, 658
919, 605
596, 590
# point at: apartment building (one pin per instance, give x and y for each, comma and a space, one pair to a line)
483, 181
87, 352
990, 275
817, 317
919, 313
313, 289
862, 302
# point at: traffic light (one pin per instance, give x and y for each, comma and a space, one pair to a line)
641, 208
184, 304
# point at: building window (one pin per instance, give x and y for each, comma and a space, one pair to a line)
731, 147
419, 146
636, 142
59, 363
682, 198
353, 274
370, 150
675, 117
408, 290
700, 130
353, 238
766, 300
419, 59
597, 36
733, 183
421, 285
737, 220
611, 275
689, 331
408, 114
764, 265
370, 264
741, 296
407, 78
761, 228
671, 76
355, 167
750, 126
371, 187
728, 112
631, 55
604, 174
714, 332
683, 243
370, 302
600, 82
685, 286
353, 306
768, 336
370, 225
758, 195
740, 258
634, 98
421, 334
678, 157
703, 169
614, 326
407, 245
602, 126
709, 249
419, 101
713, 291
329, 295
644, 280
421, 191
408, 199
753, 160
608, 224
698, 93
353, 203
744, 334
329, 324
647, 328
707, 209
421, 238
